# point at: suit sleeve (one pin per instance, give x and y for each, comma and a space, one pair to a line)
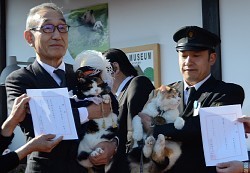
5, 142
8, 161
16, 84
138, 92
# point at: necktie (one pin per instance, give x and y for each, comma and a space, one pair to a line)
191, 91
61, 74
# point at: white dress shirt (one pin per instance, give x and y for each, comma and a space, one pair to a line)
197, 86
83, 112
121, 86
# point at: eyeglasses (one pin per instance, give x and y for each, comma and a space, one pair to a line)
49, 28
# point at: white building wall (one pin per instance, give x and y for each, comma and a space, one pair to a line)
235, 38
140, 22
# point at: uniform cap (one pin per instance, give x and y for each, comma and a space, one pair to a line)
195, 38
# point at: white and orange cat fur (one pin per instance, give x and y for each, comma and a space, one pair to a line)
162, 105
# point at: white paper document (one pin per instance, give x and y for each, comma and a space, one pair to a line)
52, 113
222, 135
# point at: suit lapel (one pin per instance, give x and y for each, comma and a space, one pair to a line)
179, 87
44, 80
185, 110
199, 96
124, 89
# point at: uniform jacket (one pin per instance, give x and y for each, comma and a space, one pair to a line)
212, 93
63, 157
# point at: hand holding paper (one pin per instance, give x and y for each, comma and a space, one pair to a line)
222, 135
52, 113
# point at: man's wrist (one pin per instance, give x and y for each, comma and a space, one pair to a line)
7, 128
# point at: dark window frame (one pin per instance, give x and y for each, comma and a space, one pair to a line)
211, 22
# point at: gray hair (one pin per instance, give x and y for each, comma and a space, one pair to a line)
34, 10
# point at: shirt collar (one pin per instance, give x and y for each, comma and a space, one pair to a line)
121, 86
197, 86
51, 69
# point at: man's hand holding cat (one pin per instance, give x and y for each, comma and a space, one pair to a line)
98, 111
146, 121
109, 149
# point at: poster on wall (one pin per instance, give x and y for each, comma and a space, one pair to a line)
146, 59
88, 30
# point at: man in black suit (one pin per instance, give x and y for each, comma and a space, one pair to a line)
196, 51
47, 32
132, 92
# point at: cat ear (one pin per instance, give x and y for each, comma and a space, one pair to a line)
156, 92
175, 84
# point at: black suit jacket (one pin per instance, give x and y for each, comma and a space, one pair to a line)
63, 157
8, 161
212, 93
131, 100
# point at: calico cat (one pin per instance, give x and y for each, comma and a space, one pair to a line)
91, 88
157, 155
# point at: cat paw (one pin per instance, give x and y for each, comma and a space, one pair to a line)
137, 128
158, 150
106, 98
148, 147
150, 141
97, 152
159, 144
160, 140
179, 123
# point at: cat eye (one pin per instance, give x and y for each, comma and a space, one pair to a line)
98, 80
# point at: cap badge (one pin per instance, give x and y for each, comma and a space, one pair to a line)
190, 34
